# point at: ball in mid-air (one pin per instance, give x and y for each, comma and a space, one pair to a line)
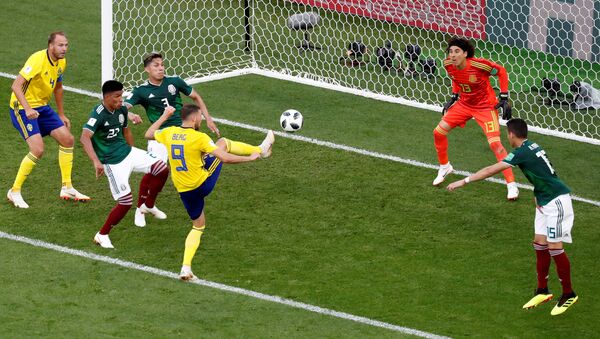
291, 120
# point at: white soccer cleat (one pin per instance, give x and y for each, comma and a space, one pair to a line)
158, 214
72, 194
103, 240
267, 145
186, 273
139, 219
16, 199
442, 174
513, 191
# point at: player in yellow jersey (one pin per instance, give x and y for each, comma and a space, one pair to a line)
195, 162
32, 116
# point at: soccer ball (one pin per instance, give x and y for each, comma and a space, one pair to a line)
291, 120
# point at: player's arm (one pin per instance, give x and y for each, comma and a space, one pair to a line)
17, 88
229, 158
480, 175
58, 97
499, 71
134, 118
86, 141
200, 103
156, 125
128, 136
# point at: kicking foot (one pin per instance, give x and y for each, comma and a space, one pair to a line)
267, 145
186, 273
566, 301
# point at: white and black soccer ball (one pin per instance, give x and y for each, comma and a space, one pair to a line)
291, 120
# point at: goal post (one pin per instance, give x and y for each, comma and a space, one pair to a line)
312, 41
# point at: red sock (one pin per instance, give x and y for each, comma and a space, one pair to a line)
563, 268
159, 174
117, 214
500, 154
542, 264
144, 187
440, 140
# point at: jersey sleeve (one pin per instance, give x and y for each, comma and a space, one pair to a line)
514, 158
63, 66
32, 67
206, 144
94, 120
161, 135
183, 86
455, 88
493, 69
134, 98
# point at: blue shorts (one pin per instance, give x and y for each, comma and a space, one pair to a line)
47, 122
193, 200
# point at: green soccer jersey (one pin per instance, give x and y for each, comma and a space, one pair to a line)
532, 160
155, 98
108, 140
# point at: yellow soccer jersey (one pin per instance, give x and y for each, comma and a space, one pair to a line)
186, 148
42, 75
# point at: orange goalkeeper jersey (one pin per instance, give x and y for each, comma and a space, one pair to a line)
472, 83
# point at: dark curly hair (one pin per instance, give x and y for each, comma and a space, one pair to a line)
462, 43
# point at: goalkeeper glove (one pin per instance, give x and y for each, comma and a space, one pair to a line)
503, 103
450, 102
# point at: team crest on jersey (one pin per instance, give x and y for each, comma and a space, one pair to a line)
472, 78
59, 71
121, 119
171, 89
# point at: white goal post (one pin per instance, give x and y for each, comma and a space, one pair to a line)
397, 47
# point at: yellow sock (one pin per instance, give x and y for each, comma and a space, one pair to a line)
27, 165
240, 148
192, 242
65, 161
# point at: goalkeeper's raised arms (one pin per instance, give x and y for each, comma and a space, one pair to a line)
505, 105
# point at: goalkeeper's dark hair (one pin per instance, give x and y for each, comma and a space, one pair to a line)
462, 43
188, 109
518, 127
111, 86
150, 57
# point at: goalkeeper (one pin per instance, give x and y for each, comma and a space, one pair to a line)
157, 93
473, 97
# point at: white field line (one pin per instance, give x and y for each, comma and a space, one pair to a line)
337, 146
218, 286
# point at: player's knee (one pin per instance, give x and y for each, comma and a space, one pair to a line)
439, 132
222, 144
67, 140
126, 201
37, 150
160, 169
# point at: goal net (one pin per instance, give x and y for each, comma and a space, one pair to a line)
388, 49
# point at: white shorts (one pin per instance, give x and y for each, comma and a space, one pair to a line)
118, 174
158, 150
555, 219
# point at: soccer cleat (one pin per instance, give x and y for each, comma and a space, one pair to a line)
541, 295
16, 199
186, 273
442, 173
566, 301
139, 219
267, 145
158, 214
513, 191
103, 240
72, 194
